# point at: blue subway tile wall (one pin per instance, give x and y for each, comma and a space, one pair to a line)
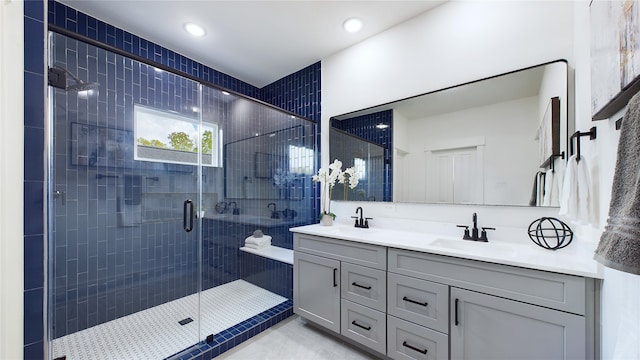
34, 121
303, 99
365, 127
298, 92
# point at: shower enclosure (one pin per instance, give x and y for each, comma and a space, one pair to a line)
154, 182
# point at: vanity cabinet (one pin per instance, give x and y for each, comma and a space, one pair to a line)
490, 327
342, 286
415, 305
316, 289
504, 312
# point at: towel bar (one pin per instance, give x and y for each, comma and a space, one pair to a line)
550, 162
577, 135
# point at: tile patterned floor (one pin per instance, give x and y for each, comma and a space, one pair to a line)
155, 333
294, 339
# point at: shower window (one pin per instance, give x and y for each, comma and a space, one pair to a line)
171, 138
300, 160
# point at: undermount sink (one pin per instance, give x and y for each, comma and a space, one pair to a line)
474, 247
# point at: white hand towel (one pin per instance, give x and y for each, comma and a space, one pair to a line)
585, 201
556, 189
553, 187
576, 202
541, 186
266, 239
548, 188
568, 200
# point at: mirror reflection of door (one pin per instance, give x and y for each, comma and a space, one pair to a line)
456, 176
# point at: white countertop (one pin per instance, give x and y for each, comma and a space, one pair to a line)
575, 259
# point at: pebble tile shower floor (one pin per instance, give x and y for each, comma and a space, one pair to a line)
156, 334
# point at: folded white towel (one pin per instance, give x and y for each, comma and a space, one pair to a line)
576, 202
254, 246
258, 240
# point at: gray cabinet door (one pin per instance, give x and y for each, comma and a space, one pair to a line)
492, 328
316, 289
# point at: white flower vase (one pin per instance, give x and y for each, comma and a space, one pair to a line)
326, 220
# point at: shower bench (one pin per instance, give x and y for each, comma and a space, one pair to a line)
272, 252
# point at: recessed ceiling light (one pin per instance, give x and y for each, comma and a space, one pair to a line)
382, 126
352, 25
225, 93
194, 29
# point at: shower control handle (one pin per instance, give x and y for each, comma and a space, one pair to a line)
187, 215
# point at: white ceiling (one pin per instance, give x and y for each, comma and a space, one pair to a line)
257, 42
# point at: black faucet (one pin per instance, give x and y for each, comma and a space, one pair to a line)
362, 222
474, 231
236, 211
274, 213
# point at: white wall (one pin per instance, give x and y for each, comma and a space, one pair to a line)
11, 178
505, 127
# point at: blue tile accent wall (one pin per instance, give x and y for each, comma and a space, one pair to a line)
300, 93
301, 98
365, 127
34, 120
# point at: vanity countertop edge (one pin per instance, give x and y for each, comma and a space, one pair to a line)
523, 253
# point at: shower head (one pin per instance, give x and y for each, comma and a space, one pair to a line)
58, 78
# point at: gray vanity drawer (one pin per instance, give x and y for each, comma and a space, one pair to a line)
422, 302
552, 290
406, 340
343, 250
365, 286
364, 325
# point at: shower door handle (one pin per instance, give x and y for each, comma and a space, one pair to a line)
187, 215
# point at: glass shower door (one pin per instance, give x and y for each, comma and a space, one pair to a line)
124, 182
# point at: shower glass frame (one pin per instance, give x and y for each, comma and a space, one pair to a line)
114, 177
266, 116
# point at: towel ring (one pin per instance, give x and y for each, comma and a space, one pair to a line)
577, 135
